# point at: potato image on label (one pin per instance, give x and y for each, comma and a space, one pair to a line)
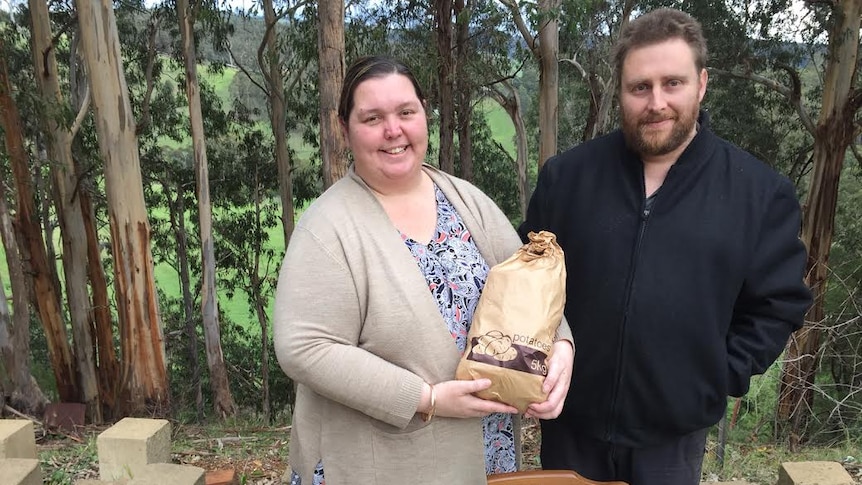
492, 343
496, 345
509, 355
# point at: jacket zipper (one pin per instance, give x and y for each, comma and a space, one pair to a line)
614, 408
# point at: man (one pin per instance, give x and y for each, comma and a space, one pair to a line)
685, 270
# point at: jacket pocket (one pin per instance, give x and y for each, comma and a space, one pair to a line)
409, 457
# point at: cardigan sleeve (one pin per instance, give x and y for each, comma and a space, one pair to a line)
773, 299
316, 326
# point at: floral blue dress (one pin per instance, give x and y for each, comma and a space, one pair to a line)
456, 274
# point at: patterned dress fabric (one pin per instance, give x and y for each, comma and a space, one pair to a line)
456, 273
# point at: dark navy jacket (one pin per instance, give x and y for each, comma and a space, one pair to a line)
675, 308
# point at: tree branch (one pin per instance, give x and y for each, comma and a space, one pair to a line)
578, 66
857, 131
522, 26
266, 79
63, 30
855, 101
501, 78
297, 75
151, 62
856, 154
82, 113
245, 71
794, 99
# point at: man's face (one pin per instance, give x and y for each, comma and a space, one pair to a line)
660, 94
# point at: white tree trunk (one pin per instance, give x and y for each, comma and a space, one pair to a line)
72, 229
143, 365
223, 400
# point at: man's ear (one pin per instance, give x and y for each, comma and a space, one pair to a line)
703, 78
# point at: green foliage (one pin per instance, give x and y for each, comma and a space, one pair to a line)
753, 454
243, 356
66, 466
493, 168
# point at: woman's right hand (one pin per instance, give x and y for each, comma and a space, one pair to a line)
455, 399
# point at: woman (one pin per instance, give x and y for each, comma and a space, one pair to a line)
374, 301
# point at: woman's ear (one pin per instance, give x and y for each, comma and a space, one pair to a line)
343, 126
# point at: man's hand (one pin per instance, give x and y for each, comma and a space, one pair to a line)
556, 382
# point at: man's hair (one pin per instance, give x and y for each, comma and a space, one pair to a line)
658, 26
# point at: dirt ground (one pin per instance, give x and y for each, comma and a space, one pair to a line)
257, 454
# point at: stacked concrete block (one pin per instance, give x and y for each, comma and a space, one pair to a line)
17, 439
19, 464
813, 473
168, 474
20, 471
131, 444
137, 451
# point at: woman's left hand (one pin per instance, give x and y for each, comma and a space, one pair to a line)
556, 383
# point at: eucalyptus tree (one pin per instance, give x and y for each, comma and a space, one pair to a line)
481, 28
149, 49
588, 31
248, 217
143, 364
506, 94
58, 138
46, 293
281, 71
174, 244
222, 399
23, 391
544, 45
330, 65
457, 24
18, 383
445, 40
85, 154
834, 131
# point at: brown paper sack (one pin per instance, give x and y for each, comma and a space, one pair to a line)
515, 322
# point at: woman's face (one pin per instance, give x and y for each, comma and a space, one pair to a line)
387, 130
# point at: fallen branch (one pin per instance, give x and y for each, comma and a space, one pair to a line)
21, 415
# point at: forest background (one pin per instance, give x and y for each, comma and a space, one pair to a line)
157, 156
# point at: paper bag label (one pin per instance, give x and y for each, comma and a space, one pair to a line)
495, 348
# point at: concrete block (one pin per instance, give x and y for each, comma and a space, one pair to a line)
168, 474
20, 471
130, 445
17, 439
813, 473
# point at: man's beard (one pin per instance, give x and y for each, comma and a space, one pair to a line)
656, 144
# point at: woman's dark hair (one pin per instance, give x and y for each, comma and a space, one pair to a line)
371, 67
658, 26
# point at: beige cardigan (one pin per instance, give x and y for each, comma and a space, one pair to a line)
357, 329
